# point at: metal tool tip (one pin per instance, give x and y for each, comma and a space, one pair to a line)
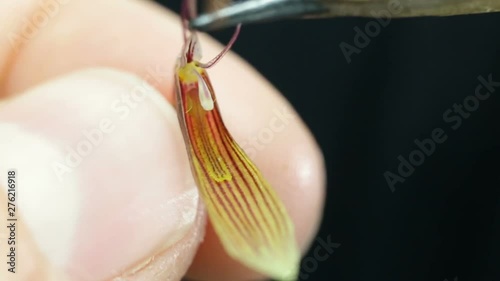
206, 23
256, 11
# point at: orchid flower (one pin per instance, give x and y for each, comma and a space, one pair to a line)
249, 218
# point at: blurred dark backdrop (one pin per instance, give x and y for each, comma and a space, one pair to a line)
443, 221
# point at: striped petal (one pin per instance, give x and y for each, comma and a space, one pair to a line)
247, 215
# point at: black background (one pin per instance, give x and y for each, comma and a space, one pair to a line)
443, 221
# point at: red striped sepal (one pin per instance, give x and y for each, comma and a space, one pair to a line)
247, 215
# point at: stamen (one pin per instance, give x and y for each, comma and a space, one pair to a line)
204, 93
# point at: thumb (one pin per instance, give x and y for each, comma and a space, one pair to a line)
102, 186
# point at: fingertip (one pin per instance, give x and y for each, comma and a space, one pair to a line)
103, 151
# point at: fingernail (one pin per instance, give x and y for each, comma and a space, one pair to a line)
103, 178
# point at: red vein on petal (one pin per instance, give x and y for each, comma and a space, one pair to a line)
228, 190
255, 176
237, 181
231, 219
